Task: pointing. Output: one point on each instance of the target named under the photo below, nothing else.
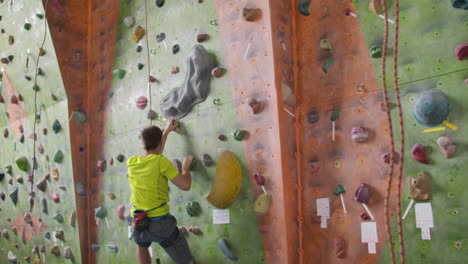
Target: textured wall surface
(429, 32)
(14, 82)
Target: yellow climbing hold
(450, 125)
(228, 181)
(138, 34)
(433, 129)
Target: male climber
(148, 176)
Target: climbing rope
(36, 89)
(402, 131)
(392, 142)
(300, 219)
(392, 139)
(148, 61)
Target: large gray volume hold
(180, 101)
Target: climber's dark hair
(151, 137)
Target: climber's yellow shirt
(148, 178)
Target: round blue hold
(431, 108)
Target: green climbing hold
(40, 16)
(194, 163)
(193, 208)
(58, 218)
(14, 195)
(101, 212)
(335, 115)
(81, 117)
(113, 248)
(22, 163)
(376, 51)
(328, 64)
(56, 127)
(303, 6)
(27, 26)
(58, 157)
(42, 52)
(239, 134)
(36, 88)
(119, 73)
(339, 190)
(40, 72)
(120, 157)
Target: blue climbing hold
(462, 4)
(431, 108)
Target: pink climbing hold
(418, 152)
(40, 148)
(461, 51)
(55, 196)
(217, 72)
(121, 212)
(194, 229)
(259, 179)
(142, 102)
(182, 229)
(466, 82)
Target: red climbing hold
(222, 137)
(194, 229)
(255, 105)
(461, 51)
(202, 37)
(418, 152)
(101, 164)
(121, 212)
(142, 102)
(14, 99)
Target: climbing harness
(141, 221)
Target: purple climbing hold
(259, 179)
(95, 247)
(55, 196)
(2, 196)
(362, 193)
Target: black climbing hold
(40, 72)
(56, 126)
(120, 157)
(47, 235)
(160, 37)
(159, 3)
(21, 139)
(462, 4)
(14, 195)
(175, 48)
(140, 66)
(139, 49)
(303, 7)
(11, 57)
(2, 196)
(2, 176)
(27, 77)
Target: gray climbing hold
(44, 207)
(14, 195)
(160, 37)
(12, 258)
(58, 218)
(129, 21)
(81, 117)
(113, 248)
(180, 101)
(431, 108)
(95, 247)
(80, 189)
(67, 253)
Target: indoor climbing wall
(50, 231)
(429, 33)
(184, 46)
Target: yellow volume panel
(228, 181)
